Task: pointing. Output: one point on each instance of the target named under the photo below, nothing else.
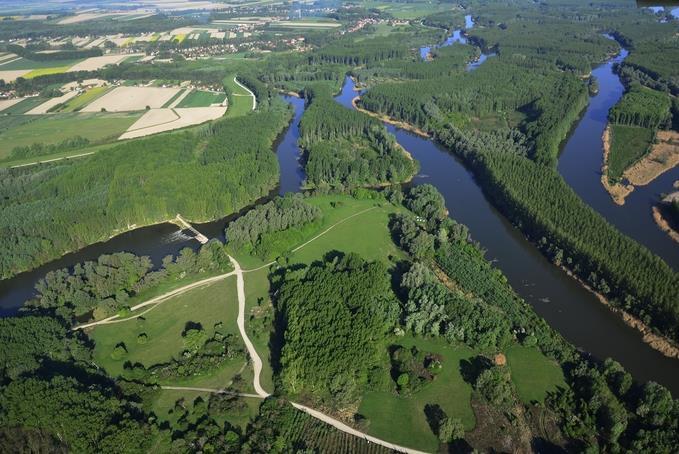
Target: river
(457, 36)
(580, 165)
(569, 308)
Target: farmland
(52, 129)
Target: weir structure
(202, 239)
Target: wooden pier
(202, 239)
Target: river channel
(569, 308)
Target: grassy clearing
(240, 101)
(200, 98)
(164, 326)
(257, 301)
(75, 154)
(367, 234)
(402, 420)
(80, 101)
(50, 129)
(628, 145)
(533, 373)
(408, 10)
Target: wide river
(569, 308)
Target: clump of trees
(103, 287)
(280, 214)
(335, 319)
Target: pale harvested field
(11, 76)
(7, 56)
(187, 117)
(154, 117)
(94, 63)
(663, 156)
(84, 17)
(47, 105)
(124, 99)
(5, 103)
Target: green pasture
(51, 129)
(164, 324)
(240, 101)
(401, 419)
(533, 374)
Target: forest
(345, 148)
(46, 212)
(642, 107)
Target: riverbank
(617, 191)
(390, 120)
(659, 343)
(664, 225)
(662, 157)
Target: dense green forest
(642, 107)
(333, 368)
(347, 148)
(206, 174)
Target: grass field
(198, 98)
(628, 145)
(49, 129)
(402, 420)
(410, 10)
(80, 101)
(240, 101)
(533, 373)
(164, 326)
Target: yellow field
(45, 72)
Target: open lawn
(533, 373)
(164, 325)
(200, 98)
(628, 145)
(402, 420)
(240, 101)
(50, 129)
(77, 103)
(366, 234)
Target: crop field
(200, 98)
(26, 64)
(94, 63)
(628, 145)
(408, 10)
(50, 129)
(77, 103)
(533, 374)
(164, 325)
(24, 106)
(122, 99)
(46, 71)
(401, 419)
(161, 120)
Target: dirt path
(254, 356)
(157, 300)
(210, 390)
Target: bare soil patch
(47, 105)
(664, 156)
(617, 191)
(160, 120)
(94, 63)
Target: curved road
(254, 98)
